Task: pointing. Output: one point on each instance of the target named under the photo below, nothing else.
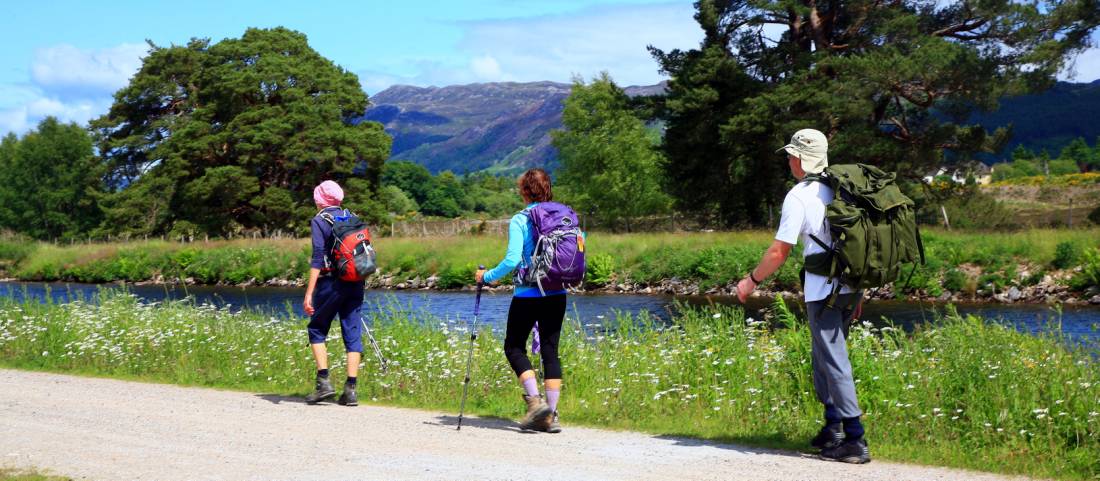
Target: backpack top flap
(548, 216)
(345, 224)
(869, 185)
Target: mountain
(499, 127)
(1048, 120)
(505, 127)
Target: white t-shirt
(804, 214)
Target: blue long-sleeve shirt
(323, 240)
(521, 245)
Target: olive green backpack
(873, 226)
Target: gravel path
(115, 430)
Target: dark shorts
(333, 298)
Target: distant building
(982, 173)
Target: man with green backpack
(856, 241)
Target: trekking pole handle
(477, 300)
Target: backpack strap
(325, 216)
(815, 178)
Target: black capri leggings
(549, 311)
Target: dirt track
(115, 430)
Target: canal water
(1077, 323)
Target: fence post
(946, 222)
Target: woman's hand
(479, 276)
(307, 304)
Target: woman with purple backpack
(535, 235)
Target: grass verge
(961, 393)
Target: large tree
(609, 160)
(891, 83)
(49, 181)
(233, 135)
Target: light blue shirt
(521, 245)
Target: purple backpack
(558, 260)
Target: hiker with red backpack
(342, 259)
(546, 250)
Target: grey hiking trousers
(833, 381)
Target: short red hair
(534, 186)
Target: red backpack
(352, 258)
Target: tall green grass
(961, 392)
(995, 260)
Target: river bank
(1037, 266)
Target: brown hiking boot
(538, 412)
(552, 425)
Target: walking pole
(374, 345)
(470, 354)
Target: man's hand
(307, 304)
(858, 310)
(479, 276)
(745, 289)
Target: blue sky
(66, 57)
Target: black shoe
(349, 397)
(322, 392)
(854, 452)
(830, 436)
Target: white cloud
(72, 84)
(70, 72)
(560, 46)
(24, 117)
(12, 95)
(373, 81)
(554, 47)
(1085, 68)
(486, 67)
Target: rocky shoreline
(1051, 290)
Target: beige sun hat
(812, 148)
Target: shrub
(1035, 277)
(13, 250)
(967, 208)
(1089, 276)
(1065, 255)
(954, 280)
(600, 270)
(454, 277)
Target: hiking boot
(553, 426)
(854, 452)
(349, 397)
(537, 413)
(549, 425)
(830, 436)
(322, 392)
